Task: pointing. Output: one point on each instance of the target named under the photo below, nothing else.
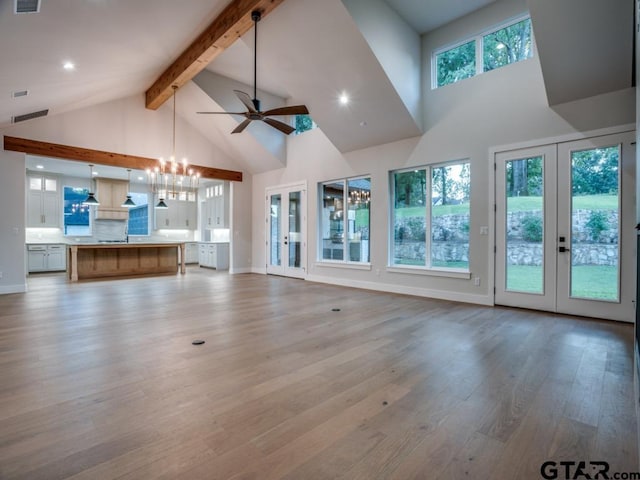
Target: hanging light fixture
(128, 202)
(91, 199)
(172, 178)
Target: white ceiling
(427, 15)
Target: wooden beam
(231, 24)
(98, 157)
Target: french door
(286, 231)
(564, 227)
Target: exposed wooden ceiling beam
(231, 24)
(98, 157)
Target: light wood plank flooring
(99, 380)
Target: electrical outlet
(476, 281)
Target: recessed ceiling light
(68, 66)
(94, 173)
(344, 98)
(140, 178)
(40, 166)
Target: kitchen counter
(98, 260)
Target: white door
(286, 231)
(564, 227)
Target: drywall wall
(12, 222)
(463, 121)
(396, 46)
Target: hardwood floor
(99, 380)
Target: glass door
(286, 230)
(564, 221)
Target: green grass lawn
(517, 204)
(589, 281)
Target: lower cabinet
(214, 255)
(191, 253)
(46, 258)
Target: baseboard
(5, 289)
(418, 292)
(234, 271)
(260, 270)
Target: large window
(431, 216)
(139, 215)
(497, 48)
(76, 215)
(303, 124)
(345, 215)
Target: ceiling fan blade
(242, 126)
(277, 124)
(292, 110)
(222, 113)
(246, 100)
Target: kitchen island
(99, 260)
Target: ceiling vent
(29, 116)
(20, 93)
(27, 6)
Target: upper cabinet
(216, 206)
(181, 214)
(43, 201)
(111, 193)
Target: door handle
(563, 249)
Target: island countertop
(96, 260)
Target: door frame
(285, 189)
(493, 151)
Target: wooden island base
(124, 260)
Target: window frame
(64, 226)
(479, 50)
(345, 262)
(426, 269)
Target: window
(345, 215)
(431, 199)
(139, 215)
(497, 48)
(507, 45)
(304, 123)
(76, 215)
(456, 64)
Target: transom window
(430, 217)
(344, 220)
(499, 47)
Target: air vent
(20, 93)
(27, 6)
(29, 116)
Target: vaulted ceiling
(309, 52)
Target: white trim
(259, 270)
(433, 272)
(13, 289)
(234, 271)
(348, 265)
(404, 290)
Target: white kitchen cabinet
(46, 258)
(215, 208)
(43, 201)
(191, 254)
(182, 214)
(214, 255)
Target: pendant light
(128, 202)
(91, 199)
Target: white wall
(396, 46)
(12, 221)
(462, 120)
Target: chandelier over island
(173, 179)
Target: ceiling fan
(253, 104)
